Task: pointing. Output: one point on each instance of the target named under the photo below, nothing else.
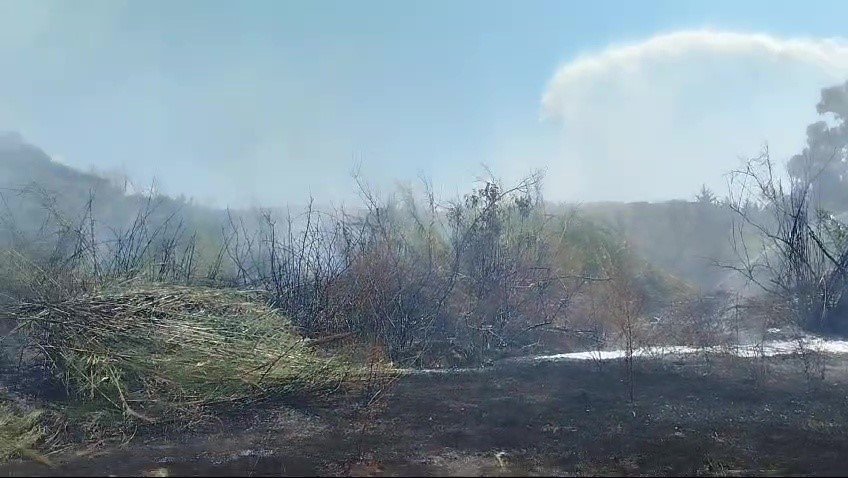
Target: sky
(240, 103)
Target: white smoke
(655, 119)
(828, 55)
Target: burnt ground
(721, 416)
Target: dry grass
(19, 432)
(167, 352)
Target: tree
(706, 196)
(823, 164)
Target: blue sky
(268, 102)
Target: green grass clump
(164, 352)
(19, 432)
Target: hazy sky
(246, 102)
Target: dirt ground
(723, 416)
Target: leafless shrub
(623, 308)
(799, 251)
(463, 279)
(437, 282)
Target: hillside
(33, 186)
